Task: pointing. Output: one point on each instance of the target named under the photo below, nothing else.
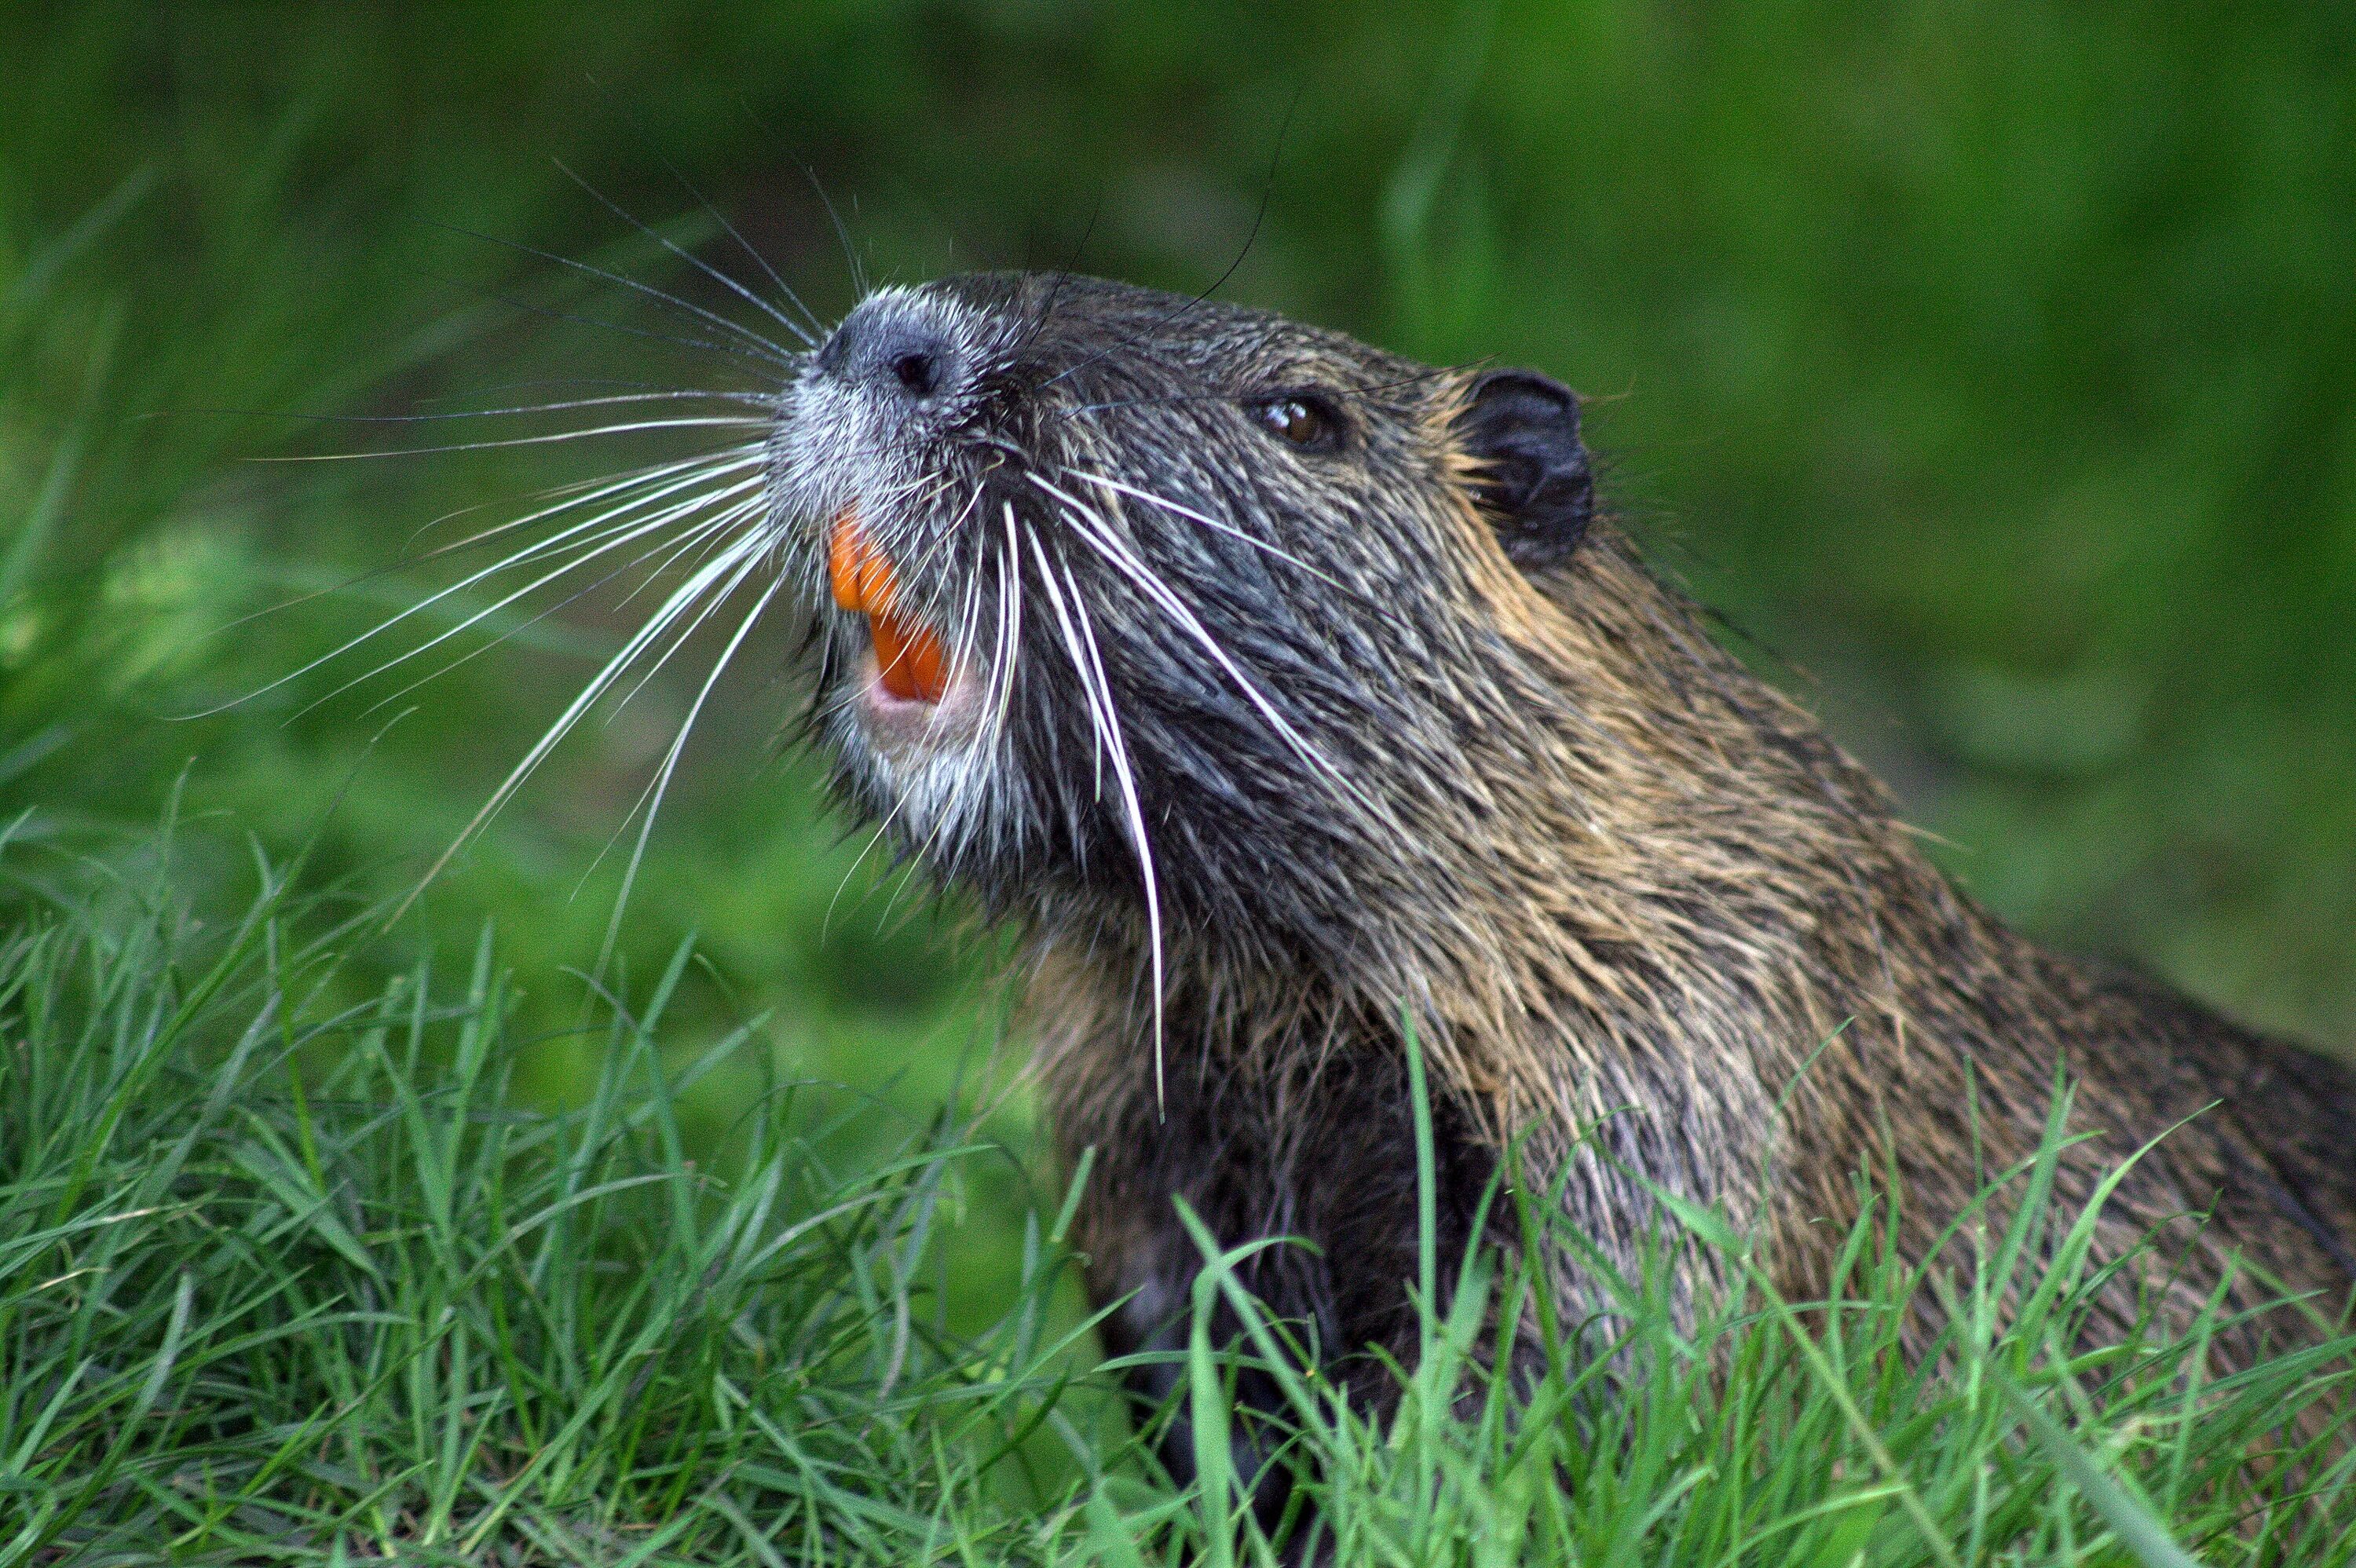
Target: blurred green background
(1992, 364)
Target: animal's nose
(893, 354)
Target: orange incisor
(913, 666)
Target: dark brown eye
(1301, 421)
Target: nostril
(919, 372)
(895, 350)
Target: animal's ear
(1521, 428)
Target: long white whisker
(688, 541)
(680, 600)
(593, 547)
(664, 479)
(759, 260)
(995, 704)
(788, 322)
(1208, 521)
(761, 347)
(942, 535)
(826, 924)
(661, 785)
(952, 813)
(899, 805)
(1107, 723)
(1096, 663)
(1010, 635)
(770, 363)
(995, 700)
(563, 497)
(1100, 537)
(702, 530)
(881, 829)
(717, 422)
(588, 550)
(760, 400)
(679, 641)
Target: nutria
(1286, 693)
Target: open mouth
(910, 662)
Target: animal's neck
(1673, 890)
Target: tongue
(913, 667)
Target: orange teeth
(860, 575)
(914, 667)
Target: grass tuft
(283, 1276)
(289, 1276)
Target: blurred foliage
(1991, 363)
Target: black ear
(1522, 429)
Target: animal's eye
(1305, 423)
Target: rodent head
(1157, 613)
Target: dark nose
(893, 355)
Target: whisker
(785, 288)
(455, 546)
(858, 274)
(788, 322)
(758, 399)
(699, 537)
(1359, 393)
(840, 702)
(574, 597)
(959, 813)
(1010, 639)
(580, 493)
(621, 535)
(944, 535)
(749, 549)
(761, 346)
(357, 579)
(634, 383)
(548, 439)
(1108, 723)
(995, 698)
(661, 785)
(1208, 521)
(664, 479)
(825, 923)
(1099, 537)
(575, 319)
(841, 233)
(967, 621)
(609, 529)
(680, 640)
(1267, 192)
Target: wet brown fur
(1646, 917)
(1673, 1036)
(1940, 1030)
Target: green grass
(280, 1270)
(1991, 361)
(287, 1276)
